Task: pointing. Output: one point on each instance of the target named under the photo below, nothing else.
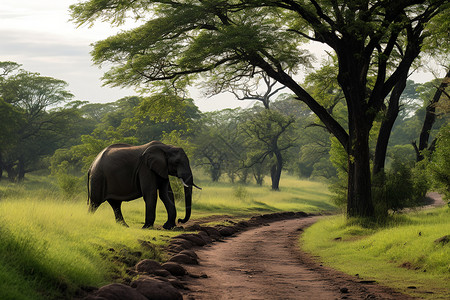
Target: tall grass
(402, 253)
(245, 200)
(50, 246)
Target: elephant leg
(166, 196)
(116, 206)
(150, 208)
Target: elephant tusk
(197, 186)
(185, 185)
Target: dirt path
(265, 263)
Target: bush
(398, 188)
(240, 192)
(69, 184)
(440, 162)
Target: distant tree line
(42, 127)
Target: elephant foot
(146, 226)
(168, 225)
(123, 223)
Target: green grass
(50, 246)
(238, 200)
(401, 254)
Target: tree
(218, 145)
(11, 122)
(440, 160)
(268, 131)
(39, 126)
(182, 39)
(441, 91)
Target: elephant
(123, 172)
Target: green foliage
(69, 184)
(400, 253)
(33, 126)
(232, 41)
(169, 109)
(338, 157)
(440, 162)
(52, 247)
(398, 188)
(240, 192)
(219, 146)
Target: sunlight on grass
(50, 245)
(402, 253)
(294, 195)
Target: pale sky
(38, 35)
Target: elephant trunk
(188, 201)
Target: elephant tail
(88, 187)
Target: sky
(39, 36)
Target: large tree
(33, 125)
(181, 39)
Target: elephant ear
(156, 160)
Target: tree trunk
(11, 171)
(386, 126)
(275, 172)
(258, 174)
(215, 172)
(359, 193)
(430, 117)
(21, 171)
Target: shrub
(240, 192)
(399, 187)
(440, 162)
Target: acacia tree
(36, 127)
(268, 131)
(181, 39)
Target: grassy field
(50, 246)
(402, 253)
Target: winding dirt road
(265, 263)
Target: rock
(190, 253)
(184, 259)
(117, 291)
(301, 214)
(156, 289)
(162, 273)
(243, 224)
(212, 232)
(195, 227)
(174, 268)
(227, 231)
(205, 237)
(193, 238)
(177, 284)
(148, 266)
(343, 290)
(173, 281)
(181, 243)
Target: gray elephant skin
(123, 172)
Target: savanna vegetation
(356, 124)
(408, 252)
(51, 247)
